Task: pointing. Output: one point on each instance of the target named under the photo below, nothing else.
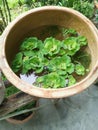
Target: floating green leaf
(70, 68)
(36, 63)
(53, 61)
(59, 63)
(82, 40)
(69, 32)
(51, 46)
(71, 80)
(30, 44)
(71, 45)
(26, 65)
(80, 69)
(29, 53)
(82, 57)
(62, 72)
(17, 62)
(52, 80)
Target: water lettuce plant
(51, 46)
(53, 61)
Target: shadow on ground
(79, 112)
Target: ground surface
(79, 112)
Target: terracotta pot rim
(42, 92)
(15, 121)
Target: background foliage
(84, 6)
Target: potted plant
(22, 118)
(55, 63)
(32, 24)
(11, 91)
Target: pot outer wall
(24, 25)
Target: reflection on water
(31, 78)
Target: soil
(22, 116)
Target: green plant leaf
(39, 70)
(69, 32)
(71, 80)
(80, 69)
(29, 53)
(71, 45)
(36, 63)
(33, 61)
(85, 7)
(52, 80)
(59, 63)
(17, 62)
(82, 57)
(82, 40)
(70, 68)
(62, 52)
(26, 65)
(29, 44)
(62, 72)
(10, 90)
(51, 46)
(46, 62)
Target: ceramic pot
(25, 25)
(25, 119)
(16, 121)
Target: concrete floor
(79, 112)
